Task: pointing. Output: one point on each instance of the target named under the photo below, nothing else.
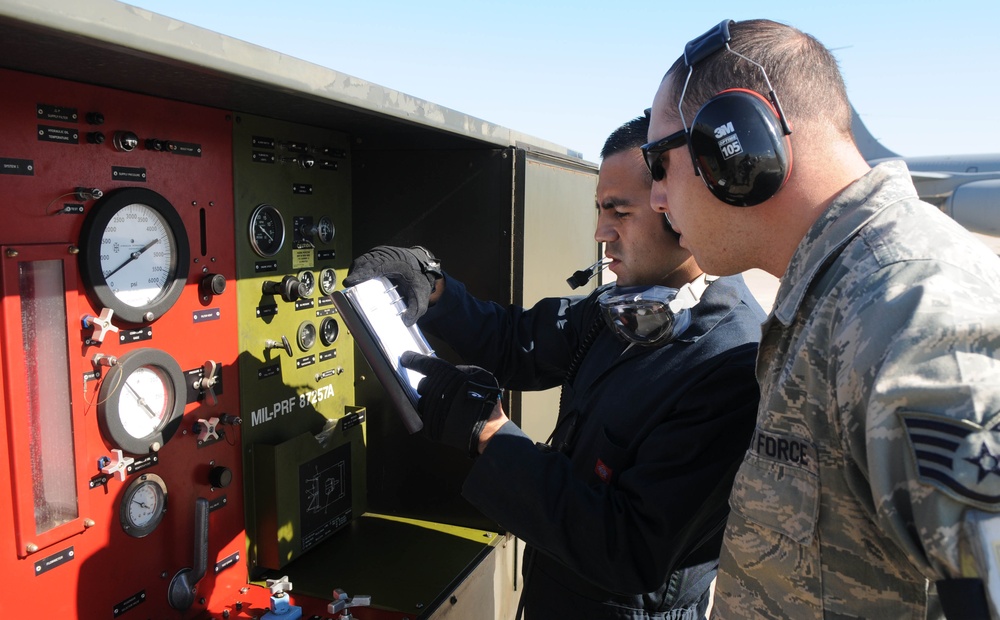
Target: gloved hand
(413, 271)
(455, 401)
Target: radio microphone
(581, 277)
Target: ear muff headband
(739, 147)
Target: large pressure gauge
(143, 505)
(135, 254)
(267, 230)
(140, 404)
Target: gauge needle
(133, 256)
(140, 400)
(270, 237)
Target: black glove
(455, 401)
(413, 271)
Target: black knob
(212, 284)
(95, 118)
(220, 477)
(289, 288)
(95, 137)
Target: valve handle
(181, 592)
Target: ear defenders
(739, 148)
(739, 139)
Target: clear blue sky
(923, 75)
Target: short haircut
(631, 135)
(628, 137)
(803, 72)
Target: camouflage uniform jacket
(880, 396)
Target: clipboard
(371, 310)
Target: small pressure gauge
(325, 229)
(308, 283)
(141, 401)
(143, 505)
(135, 254)
(327, 280)
(306, 336)
(329, 329)
(267, 230)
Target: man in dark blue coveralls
(622, 510)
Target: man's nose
(658, 197)
(605, 231)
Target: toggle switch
(284, 345)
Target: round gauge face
(327, 280)
(329, 329)
(135, 254)
(138, 250)
(308, 281)
(144, 401)
(143, 505)
(139, 409)
(306, 336)
(325, 229)
(267, 230)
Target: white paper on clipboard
(372, 311)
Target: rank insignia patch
(959, 457)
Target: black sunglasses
(654, 151)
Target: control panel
(179, 395)
(120, 395)
(303, 435)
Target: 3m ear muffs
(739, 138)
(740, 148)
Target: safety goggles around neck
(652, 315)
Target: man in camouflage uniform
(872, 479)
